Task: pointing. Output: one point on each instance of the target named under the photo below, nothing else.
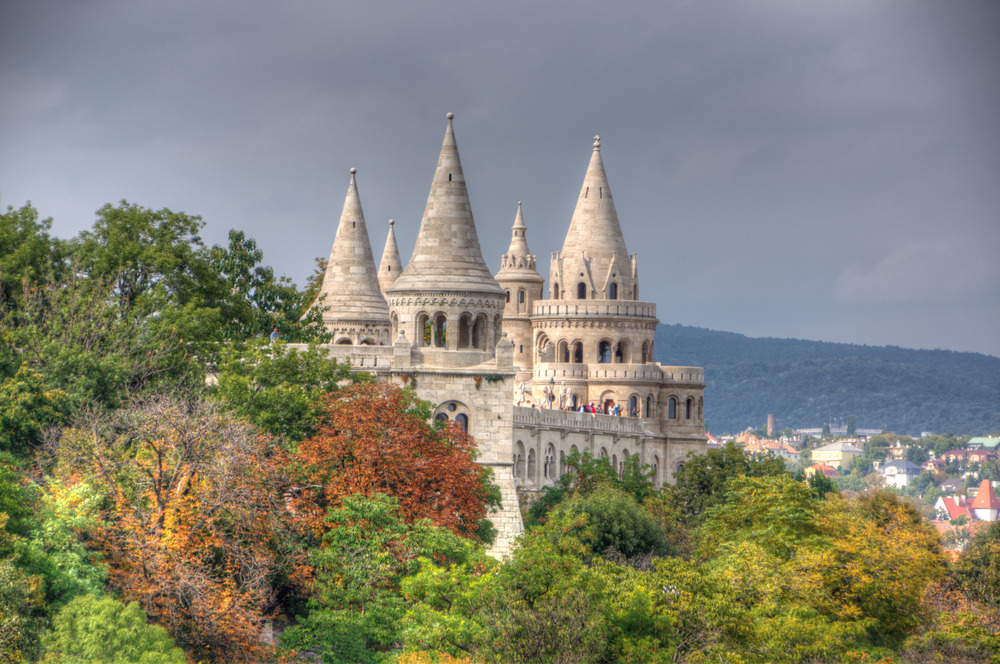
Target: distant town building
(968, 456)
(986, 505)
(822, 468)
(949, 508)
(984, 443)
(899, 473)
(838, 455)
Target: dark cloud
(824, 169)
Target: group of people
(606, 409)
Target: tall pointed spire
(594, 262)
(350, 285)
(447, 256)
(595, 229)
(390, 267)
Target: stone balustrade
(360, 357)
(561, 371)
(624, 308)
(572, 420)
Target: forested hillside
(805, 383)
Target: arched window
(621, 352)
(633, 406)
(555, 291)
(578, 352)
(649, 406)
(441, 417)
(613, 291)
(465, 331)
(604, 352)
(507, 295)
(581, 291)
(672, 408)
(532, 465)
(562, 354)
(701, 404)
(463, 421)
(441, 331)
(520, 296)
(423, 330)
(689, 408)
(645, 352)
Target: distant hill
(804, 383)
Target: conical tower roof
(391, 265)
(447, 256)
(594, 230)
(518, 263)
(351, 282)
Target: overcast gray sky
(826, 169)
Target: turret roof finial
(597, 142)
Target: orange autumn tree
(195, 525)
(376, 438)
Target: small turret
(390, 267)
(522, 285)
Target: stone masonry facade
(512, 362)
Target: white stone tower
(446, 311)
(354, 310)
(522, 285)
(592, 320)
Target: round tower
(522, 285)
(353, 307)
(592, 337)
(446, 299)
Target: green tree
(68, 334)
(22, 611)
(544, 605)
(978, 568)
(278, 388)
(27, 252)
(356, 604)
(701, 482)
(149, 254)
(615, 522)
(584, 475)
(851, 427)
(261, 301)
(27, 408)
(775, 511)
(101, 630)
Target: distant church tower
(522, 285)
(354, 310)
